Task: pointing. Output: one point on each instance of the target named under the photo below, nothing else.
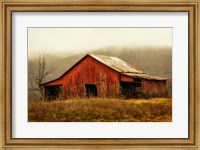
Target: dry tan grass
(102, 110)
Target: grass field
(101, 110)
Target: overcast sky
(70, 40)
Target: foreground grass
(102, 110)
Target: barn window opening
(137, 80)
(91, 90)
(53, 92)
(131, 89)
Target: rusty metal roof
(112, 62)
(115, 63)
(144, 76)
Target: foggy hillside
(153, 61)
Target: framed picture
(104, 75)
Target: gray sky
(75, 40)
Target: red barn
(103, 76)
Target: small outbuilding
(103, 76)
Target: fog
(68, 41)
(147, 49)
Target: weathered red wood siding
(125, 78)
(154, 87)
(89, 71)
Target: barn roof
(144, 76)
(115, 63)
(110, 61)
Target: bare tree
(42, 72)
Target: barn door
(91, 90)
(53, 92)
(131, 89)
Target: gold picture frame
(9, 6)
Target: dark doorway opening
(91, 90)
(53, 92)
(131, 89)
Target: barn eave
(144, 76)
